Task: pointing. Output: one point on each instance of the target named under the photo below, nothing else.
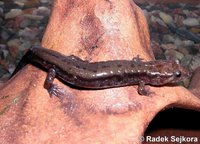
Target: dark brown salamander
(105, 74)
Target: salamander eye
(178, 74)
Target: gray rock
(168, 38)
(191, 22)
(14, 43)
(13, 13)
(4, 35)
(173, 55)
(168, 46)
(195, 62)
(166, 18)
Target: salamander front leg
(141, 88)
(48, 84)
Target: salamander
(103, 74)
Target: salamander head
(167, 72)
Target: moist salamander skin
(104, 74)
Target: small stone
(168, 46)
(157, 50)
(21, 4)
(3, 55)
(33, 17)
(1, 3)
(31, 3)
(178, 20)
(2, 46)
(188, 43)
(191, 22)
(178, 42)
(187, 60)
(173, 55)
(42, 11)
(158, 20)
(25, 23)
(2, 72)
(195, 30)
(186, 12)
(13, 13)
(184, 50)
(25, 45)
(167, 38)
(1, 12)
(29, 33)
(197, 46)
(4, 35)
(44, 1)
(14, 43)
(13, 46)
(166, 18)
(195, 62)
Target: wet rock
(195, 62)
(25, 23)
(173, 55)
(19, 3)
(1, 3)
(158, 25)
(31, 3)
(44, 1)
(33, 17)
(26, 44)
(168, 46)
(186, 60)
(42, 11)
(1, 12)
(168, 38)
(178, 20)
(29, 33)
(14, 43)
(13, 13)
(188, 43)
(184, 50)
(195, 30)
(157, 50)
(4, 35)
(191, 22)
(13, 46)
(166, 18)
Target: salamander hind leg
(142, 90)
(52, 88)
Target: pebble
(44, 1)
(168, 38)
(21, 4)
(13, 13)
(1, 3)
(173, 55)
(168, 46)
(29, 33)
(178, 20)
(195, 62)
(166, 18)
(4, 35)
(42, 11)
(191, 22)
(33, 17)
(14, 43)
